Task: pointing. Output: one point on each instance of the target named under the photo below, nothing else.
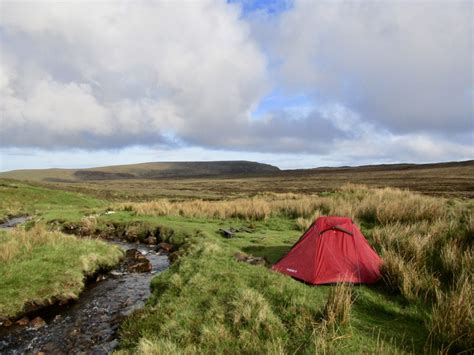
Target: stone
(227, 233)
(7, 323)
(151, 240)
(134, 254)
(165, 247)
(140, 266)
(37, 323)
(253, 260)
(137, 262)
(175, 256)
(23, 321)
(257, 261)
(240, 257)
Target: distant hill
(145, 171)
(217, 179)
(217, 169)
(386, 167)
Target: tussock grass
(338, 306)
(250, 209)
(383, 206)
(425, 242)
(38, 267)
(453, 315)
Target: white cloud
(136, 67)
(403, 64)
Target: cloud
(105, 69)
(381, 81)
(405, 65)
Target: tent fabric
(332, 250)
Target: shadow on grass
(393, 321)
(271, 253)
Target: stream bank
(90, 324)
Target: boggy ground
(210, 302)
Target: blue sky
(269, 7)
(291, 83)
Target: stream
(90, 324)
(13, 222)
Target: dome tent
(332, 250)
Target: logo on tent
(292, 270)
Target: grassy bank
(38, 267)
(18, 198)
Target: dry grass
(338, 306)
(383, 206)
(19, 242)
(412, 281)
(431, 260)
(250, 209)
(453, 315)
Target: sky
(296, 84)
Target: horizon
(249, 161)
(294, 84)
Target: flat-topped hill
(145, 171)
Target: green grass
(207, 302)
(19, 199)
(38, 267)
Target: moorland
(418, 218)
(212, 180)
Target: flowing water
(12, 222)
(90, 324)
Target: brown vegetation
(449, 179)
(382, 206)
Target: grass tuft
(453, 316)
(338, 306)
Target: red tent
(332, 250)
